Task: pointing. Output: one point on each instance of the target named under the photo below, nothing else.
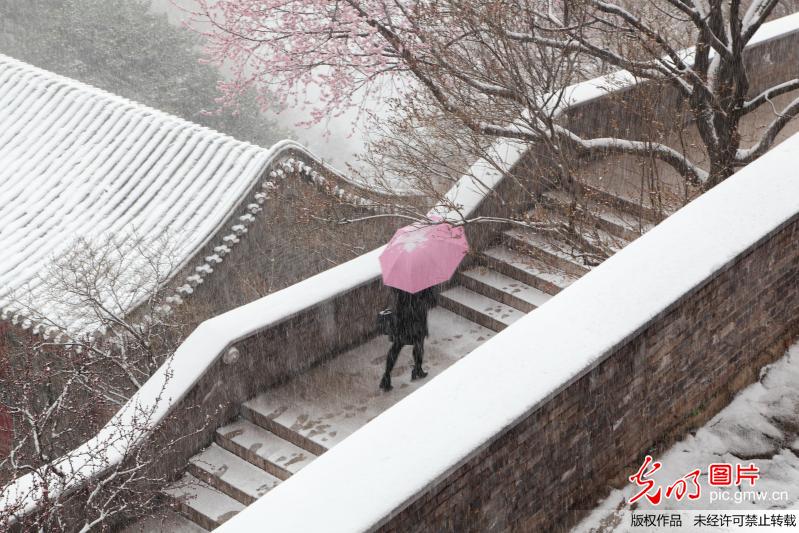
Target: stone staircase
(282, 430)
(526, 267)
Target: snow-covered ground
(760, 426)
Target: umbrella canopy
(420, 255)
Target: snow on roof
(77, 162)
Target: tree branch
(747, 155)
(610, 145)
(768, 94)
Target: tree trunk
(721, 168)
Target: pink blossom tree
(497, 67)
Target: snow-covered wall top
(421, 439)
(77, 162)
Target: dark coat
(411, 315)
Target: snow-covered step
(623, 204)
(624, 225)
(500, 287)
(231, 474)
(202, 503)
(597, 243)
(263, 448)
(329, 402)
(601, 239)
(166, 521)
(480, 309)
(259, 411)
(551, 250)
(528, 269)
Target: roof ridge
(83, 86)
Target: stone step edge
(192, 513)
(495, 293)
(519, 274)
(470, 313)
(596, 219)
(252, 458)
(518, 242)
(220, 484)
(253, 415)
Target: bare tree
(711, 75)
(65, 500)
(63, 385)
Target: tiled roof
(78, 162)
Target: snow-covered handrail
(206, 344)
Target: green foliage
(120, 46)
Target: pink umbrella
(420, 255)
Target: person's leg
(391, 360)
(418, 355)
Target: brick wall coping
(377, 471)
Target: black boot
(391, 359)
(418, 373)
(418, 355)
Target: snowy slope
(758, 426)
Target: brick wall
(684, 366)
(6, 431)
(6, 422)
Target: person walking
(418, 257)
(410, 328)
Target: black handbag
(386, 322)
